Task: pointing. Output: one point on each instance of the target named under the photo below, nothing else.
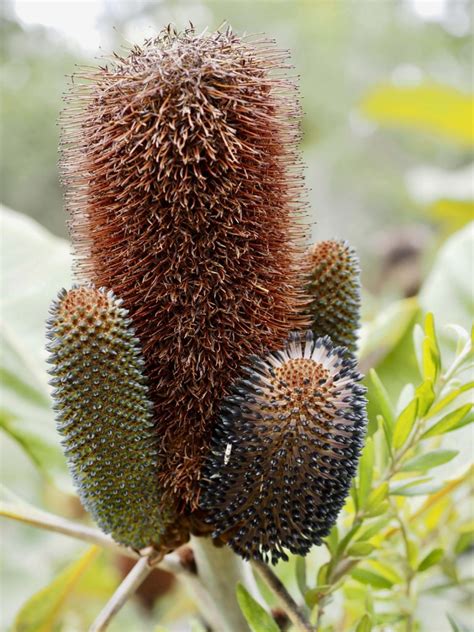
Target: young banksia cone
(104, 415)
(183, 183)
(285, 450)
(334, 290)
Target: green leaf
(456, 626)
(419, 487)
(313, 595)
(424, 462)
(375, 528)
(381, 398)
(372, 579)
(256, 616)
(300, 573)
(366, 470)
(430, 361)
(42, 611)
(365, 624)
(447, 292)
(426, 396)
(430, 560)
(360, 549)
(39, 442)
(428, 107)
(404, 424)
(449, 422)
(376, 498)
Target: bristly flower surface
(184, 188)
(105, 417)
(334, 290)
(285, 450)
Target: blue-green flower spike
(334, 291)
(104, 415)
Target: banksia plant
(334, 290)
(285, 449)
(105, 416)
(184, 188)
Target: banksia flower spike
(285, 449)
(105, 417)
(184, 187)
(334, 290)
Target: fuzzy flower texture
(203, 365)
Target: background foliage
(388, 138)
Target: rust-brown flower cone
(184, 184)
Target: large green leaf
(257, 617)
(447, 292)
(41, 611)
(427, 107)
(34, 265)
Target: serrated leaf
(431, 559)
(41, 612)
(424, 462)
(449, 422)
(372, 579)
(255, 615)
(404, 424)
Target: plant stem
(291, 608)
(219, 571)
(127, 588)
(50, 522)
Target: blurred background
(387, 128)
(388, 135)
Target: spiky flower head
(184, 185)
(334, 290)
(105, 417)
(285, 450)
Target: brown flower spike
(184, 187)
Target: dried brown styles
(285, 450)
(184, 189)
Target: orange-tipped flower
(285, 450)
(184, 184)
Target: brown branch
(295, 614)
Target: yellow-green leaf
(426, 397)
(256, 616)
(449, 422)
(430, 560)
(40, 613)
(426, 461)
(381, 397)
(404, 424)
(430, 107)
(365, 624)
(372, 579)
